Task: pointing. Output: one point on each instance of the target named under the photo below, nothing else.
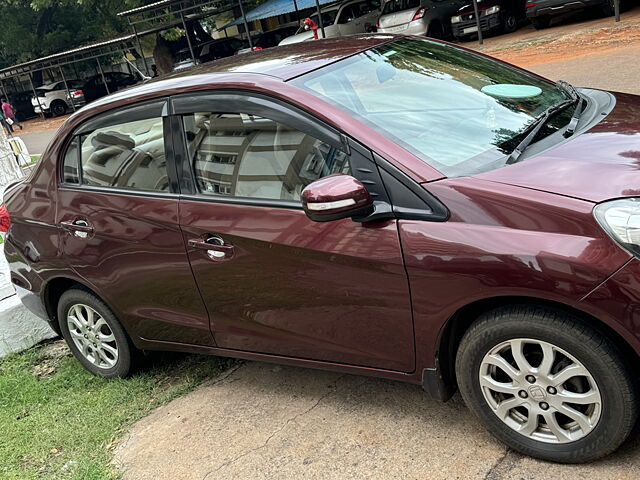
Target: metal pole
(35, 94)
(4, 91)
(135, 33)
(320, 18)
(475, 11)
(246, 25)
(186, 32)
(66, 87)
(616, 9)
(295, 5)
(104, 80)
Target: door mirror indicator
(334, 197)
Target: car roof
(289, 61)
(278, 63)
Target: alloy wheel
(540, 391)
(93, 336)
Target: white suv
(52, 97)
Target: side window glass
(129, 155)
(346, 15)
(71, 160)
(240, 155)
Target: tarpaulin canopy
(272, 8)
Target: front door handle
(214, 245)
(79, 227)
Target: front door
(274, 281)
(118, 218)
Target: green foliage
(57, 421)
(43, 27)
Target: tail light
(418, 15)
(378, 26)
(531, 5)
(257, 49)
(77, 93)
(5, 220)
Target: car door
(345, 20)
(118, 222)
(273, 281)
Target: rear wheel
(94, 335)
(58, 108)
(541, 22)
(435, 30)
(546, 385)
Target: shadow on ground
(262, 421)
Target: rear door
(274, 281)
(118, 218)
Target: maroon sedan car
(379, 205)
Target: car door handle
(215, 247)
(80, 228)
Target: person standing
(7, 127)
(9, 113)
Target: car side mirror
(335, 197)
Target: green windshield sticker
(510, 90)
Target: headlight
(492, 10)
(456, 19)
(621, 220)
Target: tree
(44, 27)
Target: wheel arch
(54, 289)
(457, 325)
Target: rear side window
(128, 155)
(246, 156)
(71, 159)
(393, 6)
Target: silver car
(418, 17)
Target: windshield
(458, 111)
(393, 6)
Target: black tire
(435, 30)
(590, 347)
(510, 23)
(541, 22)
(125, 349)
(58, 108)
(608, 8)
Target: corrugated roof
(273, 8)
(151, 6)
(67, 53)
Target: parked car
(496, 16)
(21, 101)
(540, 12)
(269, 39)
(347, 18)
(314, 207)
(52, 98)
(221, 48)
(418, 17)
(95, 87)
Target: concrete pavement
(36, 142)
(260, 421)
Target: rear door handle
(80, 228)
(214, 245)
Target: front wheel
(541, 22)
(510, 23)
(546, 385)
(58, 108)
(94, 335)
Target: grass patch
(57, 421)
